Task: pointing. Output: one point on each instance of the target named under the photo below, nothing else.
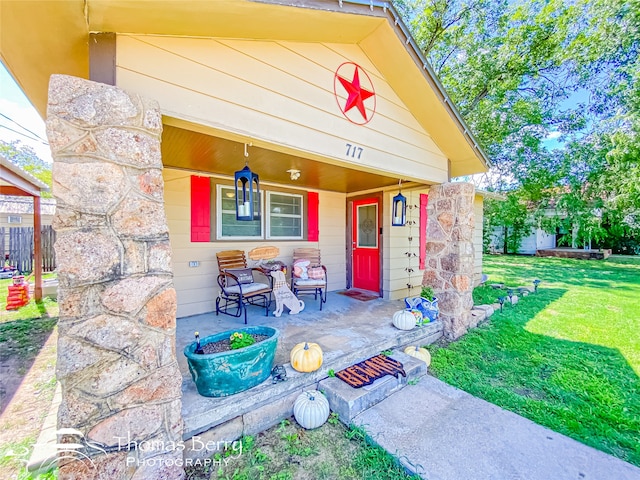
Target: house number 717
(354, 151)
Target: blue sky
(22, 117)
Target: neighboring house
(18, 211)
(538, 239)
(331, 103)
(17, 183)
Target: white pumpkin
(311, 409)
(404, 320)
(419, 352)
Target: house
(239, 83)
(538, 239)
(17, 183)
(330, 103)
(18, 211)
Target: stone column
(450, 254)
(121, 386)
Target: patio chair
(238, 287)
(308, 275)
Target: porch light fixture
(294, 173)
(246, 181)
(399, 208)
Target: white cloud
(21, 115)
(20, 119)
(553, 135)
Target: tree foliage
(521, 72)
(26, 158)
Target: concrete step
(202, 413)
(348, 402)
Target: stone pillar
(450, 254)
(121, 386)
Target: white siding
(545, 240)
(281, 93)
(396, 262)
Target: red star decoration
(357, 94)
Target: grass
(567, 357)
(287, 451)
(23, 334)
(44, 309)
(13, 458)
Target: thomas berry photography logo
(78, 448)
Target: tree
(26, 158)
(511, 216)
(520, 70)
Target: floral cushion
(315, 273)
(300, 268)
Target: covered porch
(347, 329)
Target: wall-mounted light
(246, 181)
(295, 174)
(399, 208)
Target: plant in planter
(426, 303)
(233, 361)
(240, 340)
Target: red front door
(366, 246)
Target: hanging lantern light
(246, 181)
(399, 208)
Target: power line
(24, 134)
(24, 128)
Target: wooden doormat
(358, 295)
(365, 373)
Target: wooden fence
(19, 247)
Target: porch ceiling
(187, 149)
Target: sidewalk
(443, 433)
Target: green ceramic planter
(225, 373)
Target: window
(284, 219)
(14, 219)
(228, 226)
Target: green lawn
(23, 334)
(32, 310)
(567, 357)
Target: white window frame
(358, 226)
(268, 214)
(219, 212)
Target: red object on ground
(18, 296)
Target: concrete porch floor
(348, 330)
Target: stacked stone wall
(121, 385)
(450, 255)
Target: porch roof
(62, 27)
(15, 181)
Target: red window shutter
(313, 216)
(424, 198)
(200, 209)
